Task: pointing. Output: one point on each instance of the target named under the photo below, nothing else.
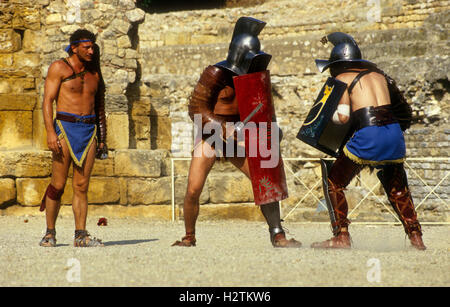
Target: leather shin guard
(52, 193)
(399, 195)
(341, 173)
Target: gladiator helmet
(244, 53)
(345, 50)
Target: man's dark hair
(81, 34)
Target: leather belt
(73, 119)
(373, 116)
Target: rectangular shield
(262, 148)
(318, 130)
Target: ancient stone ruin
(152, 60)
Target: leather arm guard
(204, 96)
(102, 153)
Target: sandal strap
(49, 238)
(188, 240)
(50, 232)
(82, 235)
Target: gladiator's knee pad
(52, 193)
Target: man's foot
(83, 239)
(279, 240)
(416, 240)
(341, 241)
(49, 240)
(187, 241)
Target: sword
(249, 117)
(241, 125)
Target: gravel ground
(229, 253)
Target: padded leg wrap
(52, 193)
(341, 173)
(340, 207)
(396, 186)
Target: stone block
(27, 18)
(141, 107)
(16, 131)
(116, 103)
(16, 85)
(17, 102)
(6, 60)
(180, 191)
(31, 190)
(10, 41)
(52, 19)
(120, 26)
(104, 190)
(149, 191)
(101, 190)
(32, 41)
(8, 191)
(39, 132)
(123, 183)
(137, 163)
(230, 188)
(176, 38)
(123, 42)
(161, 136)
(104, 167)
(29, 163)
(127, 4)
(141, 127)
(118, 131)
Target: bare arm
(51, 90)
(342, 114)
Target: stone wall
(151, 62)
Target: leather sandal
(279, 241)
(416, 240)
(340, 241)
(49, 239)
(83, 239)
(187, 241)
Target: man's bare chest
(85, 84)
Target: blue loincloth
(377, 145)
(78, 136)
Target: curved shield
(262, 147)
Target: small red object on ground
(102, 222)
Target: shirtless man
(76, 84)
(377, 140)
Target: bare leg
(60, 169)
(80, 185)
(202, 161)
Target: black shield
(318, 130)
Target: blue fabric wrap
(378, 144)
(76, 42)
(78, 136)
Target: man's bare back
(370, 90)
